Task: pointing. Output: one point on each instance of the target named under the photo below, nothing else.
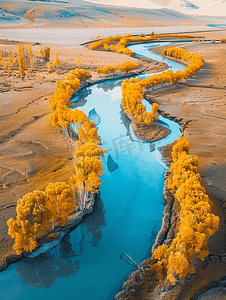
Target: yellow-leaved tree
(30, 55)
(40, 53)
(155, 108)
(87, 167)
(56, 61)
(10, 59)
(36, 211)
(197, 221)
(60, 202)
(47, 53)
(79, 62)
(33, 217)
(21, 60)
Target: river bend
(127, 216)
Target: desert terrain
(33, 153)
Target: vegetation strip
(124, 40)
(25, 54)
(197, 221)
(36, 211)
(124, 68)
(133, 89)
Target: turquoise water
(86, 264)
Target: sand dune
(184, 6)
(8, 18)
(131, 3)
(106, 12)
(196, 7)
(35, 12)
(213, 9)
(86, 14)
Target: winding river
(127, 216)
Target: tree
(10, 59)
(36, 210)
(47, 53)
(132, 95)
(40, 53)
(60, 202)
(48, 65)
(79, 62)
(87, 169)
(196, 62)
(61, 115)
(30, 55)
(33, 217)
(197, 221)
(127, 66)
(21, 60)
(155, 108)
(56, 61)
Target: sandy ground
(33, 153)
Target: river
(127, 216)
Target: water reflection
(43, 270)
(64, 259)
(125, 120)
(160, 122)
(66, 251)
(109, 85)
(154, 232)
(79, 99)
(94, 222)
(94, 117)
(111, 164)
